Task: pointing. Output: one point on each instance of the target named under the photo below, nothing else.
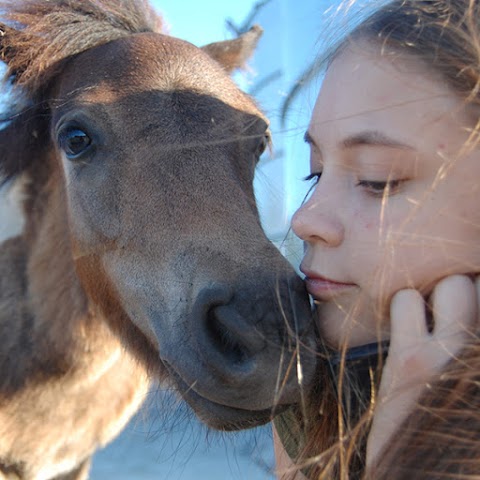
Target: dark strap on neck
(361, 353)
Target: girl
(391, 234)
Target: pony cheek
(92, 222)
(98, 277)
(134, 291)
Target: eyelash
(313, 176)
(373, 187)
(380, 188)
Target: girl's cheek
(366, 222)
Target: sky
(201, 22)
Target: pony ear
(233, 54)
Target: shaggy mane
(36, 35)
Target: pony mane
(37, 35)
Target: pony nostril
(231, 335)
(223, 340)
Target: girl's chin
(338, 332)
(351, 321)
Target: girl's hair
(443, 34)
(441, 438)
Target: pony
(142, 258)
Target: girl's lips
(322, 288)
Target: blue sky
(201, 22)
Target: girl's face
(396, 200)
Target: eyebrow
(372, 138)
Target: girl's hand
(416, 355)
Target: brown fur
(142, 257)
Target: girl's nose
(315, 222)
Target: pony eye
(74, 142)
(262, 146)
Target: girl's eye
(380, 188)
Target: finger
(454, 304)
(408, 320)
